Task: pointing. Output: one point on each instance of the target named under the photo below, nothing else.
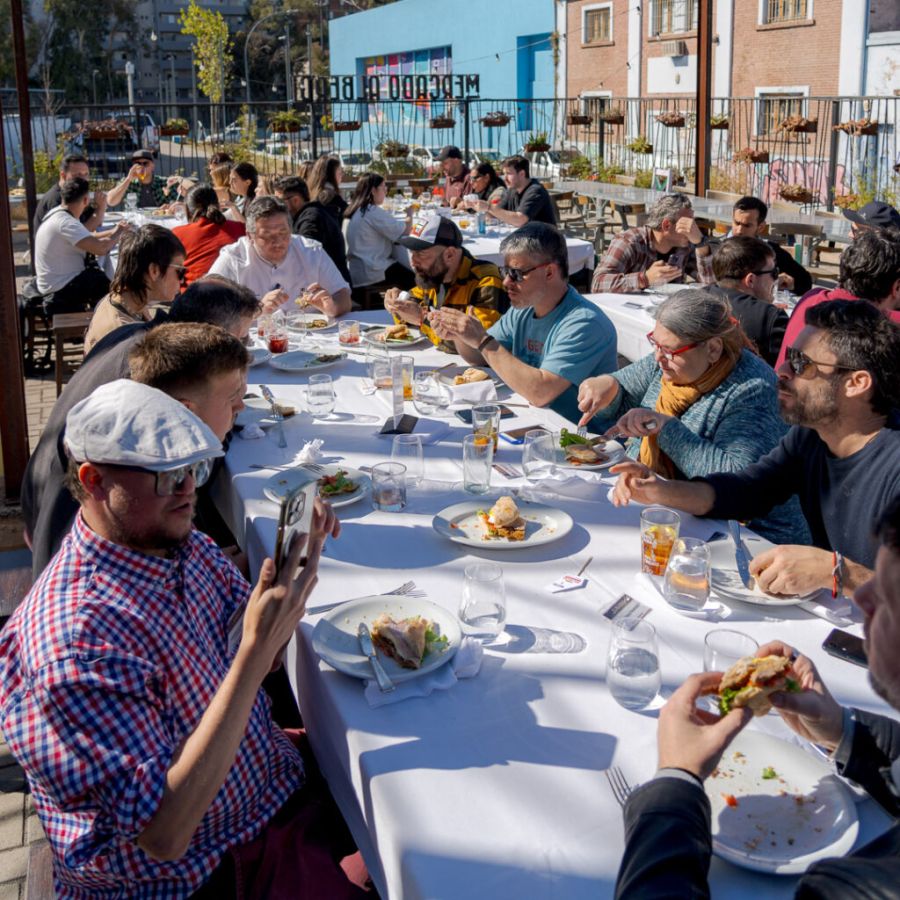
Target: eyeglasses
(518, 275)
(804, 367)
(171, 481)
(774, 272)
(181, 270)
(665, 352)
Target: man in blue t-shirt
(551, 339)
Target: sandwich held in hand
(751, 681)
(503, 520)
(470, 376)
(407, 641)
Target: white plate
(460, 524)
(304, 360)
(296, 322)
(726, 582)
(613, 449)
(282, 482)
(447, 375)
(335, 639)
(370, 337)
(258, 412)
(771, 831)
(258, 355)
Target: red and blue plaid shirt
(105, 669)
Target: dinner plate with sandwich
(588, 453)
(504, 525)
(412, 636)
(395, 336)
(775, 807)
(456, 376)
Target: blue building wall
(505, 42)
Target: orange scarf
(675, 400)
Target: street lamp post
(94, 75)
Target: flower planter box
(670, 120)
(284, 128)
(442, 122)
(540, 147)
(165, 131)
(800, 126)
(858, 128)
(579, 120)
(103, 134)
(495, 121)
(797, 196)
(614, 118)
(348, 125)
(648, 149)
(754, 156)
(720, 126)
(395, 152)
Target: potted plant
(105, 129)
(442, 122)
(613, 116)
(671, 119)
(495, 119)
(720, 122)
(799, 125)
(749, 155)
(848, 201)
(857, 127)
(578, 119)
(796, 193)
(640, 145)
(173, 127)
(346, 125)
(393, 149)
(285, 122)
(537, 142)
(579, 167)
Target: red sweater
(813, 298)
(202, 241)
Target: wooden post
(704, 96)
(16, 20)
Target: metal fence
(810, 150)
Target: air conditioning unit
(674, 48)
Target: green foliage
(285, 120)
(580, 167)
(401, 166)
(640, 145)
(537, 140)
(643, 178)
(46, 169)
(608, 173)
(212, 48)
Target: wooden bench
(39, 877)
(67, 327)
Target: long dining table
(494, 787)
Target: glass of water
(320, 395)
(723, 647)
(482, 611)
(478, 457)
(632, 670)
(428, 393)
(389, 486)
(131, 202)
(686, 583)
(407, 449)
(539, 455)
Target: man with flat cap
(130, 678)
(447, 276)
(457, 182)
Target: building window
(596, 24)
(786, 10)
(773, 109)
(673, 16)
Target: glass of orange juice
(659, 531)
(486, 422)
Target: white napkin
(430, 430)
(251, 432)
(465, 664)
(580, 485)
(476, 392)
(309, 452)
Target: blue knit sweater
(725, 430)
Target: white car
(427, 158)
(548, 164)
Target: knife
(742, 557)
(276, 414)
(368, 648)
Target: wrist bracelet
(487, 339)
(837, 574)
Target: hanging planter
(796, 193)
(579, 120)
(346, 125)
(614, 116)
(799, 125)
(174, 127)
(285, 122)
(749, 155)
(537, 143)
(719, 123)
(640, 145)
(105, 130)
(495, 119)
(442, 122)
(671, 119)
(857, 127)
(393, 149)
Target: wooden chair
(68, 327)
(37, 337)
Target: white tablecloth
(630, 314)
(494, 788)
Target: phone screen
(517, 435)
(295, 517)
(465, 415)
(846, 646)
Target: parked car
(356, 163)
(548, 164)
(427, 158)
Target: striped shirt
(105, 669)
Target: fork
(276, 414)
(581, 431)
(620, 787)
(404, 590)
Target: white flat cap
(124, 423)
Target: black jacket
(787, 264)
(316, 222)
(668, 842)
(762, 322)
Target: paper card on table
(566, 583)
(397, 388)
(626, 607)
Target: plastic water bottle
(482, 223)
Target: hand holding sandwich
(693, 739)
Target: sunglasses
(804, 367)
(774, 272)
(181, 270)
(173, 480)
(665, 352)
(518, 275)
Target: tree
(212, 51)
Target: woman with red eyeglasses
(701, 401)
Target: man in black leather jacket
(667, 820)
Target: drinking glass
(389, 486)
(348, 331)
(723, 647)
(632, 670)
(131, 202)
(482, 611)
(378, 366)
(320, 395)
(407, 192)
(407, 449)
(407, 370)
(486, 421)
(686, 584)
(539, 455)
(478, 457)
(659, 531)
(428, 393)
(277, 333)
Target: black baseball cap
(430, 231)
(449, 152)
(875, 214)
(140, 155)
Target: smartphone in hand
(295, 517)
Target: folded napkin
(465, 664)
(476, 392)
(251, 432)
(430, 430)
(309, 452)
(579, 485)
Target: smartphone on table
(295, 517)
(517, 435)
(465, 415)
(846, 646)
